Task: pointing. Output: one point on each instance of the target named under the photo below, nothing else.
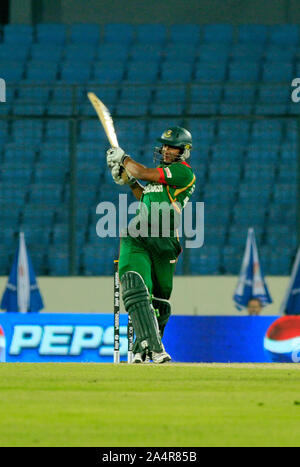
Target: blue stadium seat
(45, 195)
(184, 33)
(151, 33)
(277, 72)
(82, 33)
(224, 173)
(252, 33)
(267, 130)
(18, 34)
(15, 173)
(18, 153)
(132, 109)
(48, 174)
(23, 107)
(210, 71)
(172, 108)
(285, 34)
(222, 33)
(227, 152)
(247, 52)
(206, 93)
(57, 130)
(153, 52)
(138, 94)
(89, 131)
(55, 152)
(213, 53)
(109, 72)
(280, 53)
(261, 153)
(235, 108)
(75, 73)
(51, 33)
(12, 71)
(61, 109)
(202, 129)
(273, 93)
(232, 259)
(58, 262)
(33, 93)
(239, 94)
(75, 53)
(206, 260)
(231, 130)
(142, 72)
(51, 53)
(27, 130)
(284, 193)
(42, 72)
(182, 52)
(10, 53)
(88, 152)
(176, 72)
(244, 71)
(115, 32)
(112, 52)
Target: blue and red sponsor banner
(41, 337)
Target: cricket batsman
(147, 261)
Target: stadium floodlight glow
(2, 90)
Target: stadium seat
(110, 72)
(85, 34)
(80, 53)
(252, 34)
(50, 54)
(146, 33)
(210, 71)
(121, 33)
(285, 34)
(142, 72)
(51, 33)
(247, 52)
(213, 53)
(180, 72)
(234, 129)
(179, 52)
(18, 34)
(244, 71)
(112, 52)
(184, 33)
(277, 72)
(222, 33)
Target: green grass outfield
(170, 405)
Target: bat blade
(105, 118)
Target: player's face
(170, 153)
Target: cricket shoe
(141, 358)
(161, 357)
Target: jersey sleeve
(178, 175)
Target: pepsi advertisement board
(38, 337)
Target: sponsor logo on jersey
(168, 172)
(153, 189)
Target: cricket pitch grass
(173, 405)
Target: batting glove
(115, 156)
(116, 174)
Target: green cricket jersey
(174, 189)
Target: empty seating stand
(229, 85)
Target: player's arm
(140, 171)
(137, 189)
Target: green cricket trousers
(154, 258)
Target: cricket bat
(108, 126)
(105, 118)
